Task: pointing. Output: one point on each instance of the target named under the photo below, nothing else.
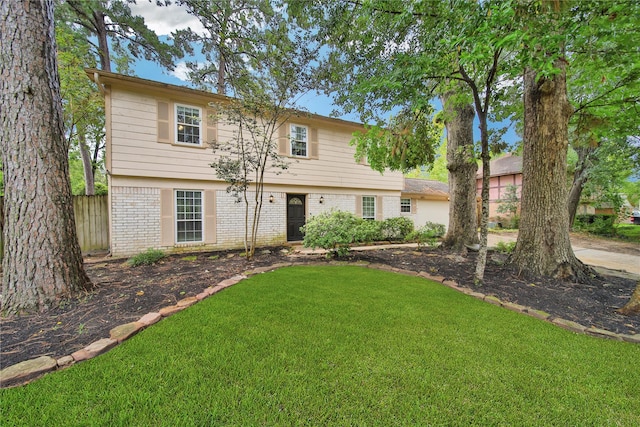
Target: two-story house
(164, 194)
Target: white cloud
(163, 20)
(181, 71)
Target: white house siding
(436, 211)
(135, 150)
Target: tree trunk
(580, 177)
(103, 45)
(633, 306)
(87, 165)
(543, 246)
(42, 261)
(463, 220)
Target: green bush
(602, 225)
(505, 247)
(397, 228)
(427, 235)
(148, 257)
(333, 230)
(368, 231)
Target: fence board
(92, 223)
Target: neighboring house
(504, 172)
(164, 194)
(425, 201)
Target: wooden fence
(92, 223)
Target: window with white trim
(188, 124)
(369, 207)
(405, 205)
(299, 140)
(188, 216)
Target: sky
(164, 20)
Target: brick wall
(135, 219)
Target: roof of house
(426, 188)
(507, 165)
(102, 78)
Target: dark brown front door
(295, 216)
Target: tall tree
(232, 37)
(89, 30)
(42, 261)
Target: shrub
(148, 257)
(368, 231)
(334, 231)
(603, 225)
(505, 247)
(397, 228)
(427, 235)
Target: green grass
(341, 346)
(629, 232)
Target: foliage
(116, 29)
(509, 203)
(602, 225)
(332, 230)
(368, 231)
(266, 89)
(629, 232)
(148, 257)
(397, 228)
(505, 247)
(427, 235)
(340, 345)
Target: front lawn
(341, 346)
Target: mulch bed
(123, 294)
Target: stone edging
(24, 372)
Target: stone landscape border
(25, 372)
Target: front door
(295, 216)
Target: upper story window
(299, 141)
(369, 207)
(188, 125)
(405, 205)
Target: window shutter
(212, 126)
(359, 206)
(379, 215)
(164, 128)
(210, 216)
(283, 140)
(166, 217)
(414, 206)
(314, 143)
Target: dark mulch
(124, 294)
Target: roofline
(101, 78)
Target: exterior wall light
(321, 199)
(271, 198)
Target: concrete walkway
(592, 257)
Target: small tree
(266, 93)
(509, 204)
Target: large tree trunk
(543, 246)
(463, 221)
(42, 261)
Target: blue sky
(164, 20)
